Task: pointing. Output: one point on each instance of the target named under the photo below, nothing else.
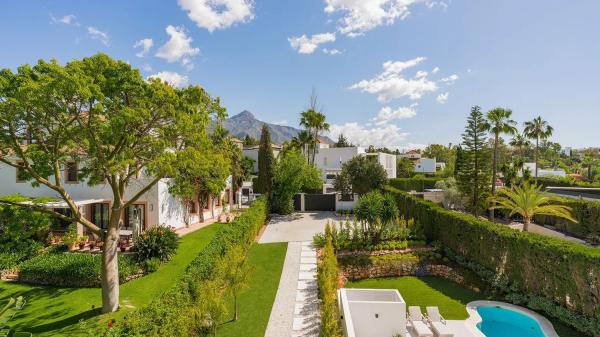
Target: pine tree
(474, 171)
(266, 163)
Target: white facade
(425, 165)
(330, 160)
(372, 312)
(252, 153)
(544, 172)
(156, 207)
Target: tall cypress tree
(266, 163)
(474, 171)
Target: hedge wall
(564, 272)
(587, 214)
(414, 184)
(565, 182)
(172, 314)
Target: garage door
(319, 202)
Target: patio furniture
(438, 323)
(9, 313)
(416, 319)
(4, 332)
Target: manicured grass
(450, 297)
(54, 311)
(256, 301)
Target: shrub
(158, 242)
(587, 214)
(178, 309)
(417, 183)
(559, 271)
(327, 278)
(151, 265)
(10, 260)
(22, 230)
(71, 269)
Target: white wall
(372, 312)
(388, 161)
(252, 153)
(345, 205)
(425, 165)
(544, 172)
(332, 159)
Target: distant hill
(245, 123)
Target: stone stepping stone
(308, 254)
(308, 267)
(305, 275)
(308, 260)
(304, 285)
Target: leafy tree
(473, 175)
(360, 175)
(203, 179)
(440, 152)
(250, 141)
(303, 141)
(376, 211)
(21, 230)
(235, 271)
(342, 141)
(537, 129)
(290, 178)
(101, 113)
(404, 168)
(528, 201)
(211, 308)
(312, 179)
(499, 123)
(266, 163)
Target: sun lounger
(438, 323)
(416, 319)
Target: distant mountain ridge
(245, 123)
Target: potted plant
(83, 241)
(123, 246)
(70, 237)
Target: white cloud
(435, 70)
(172, 78)
(306, 45)
(391, 84)
(66, 20)
(145, 44)
(283, 122)
(387, 114)
(450, 79)
(332, 51)
(379, 136)
(421, 73)
(178, 48)
(442, 98)
(97, 34)
(146, 67)
(218, 14)
(360, 16)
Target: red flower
(110, 324)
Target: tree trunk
(212, 207)
(537, 141)
(235, 308)
(110, 265)
(494, 172)
(526, 223)
(201, 209)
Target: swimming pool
(503, 322)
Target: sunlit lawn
(54, 311)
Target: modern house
(252, 153)
(545, 172)
(156, 207)
(422, 164)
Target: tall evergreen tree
(266, 163)
(474, 171)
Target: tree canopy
(360, 175)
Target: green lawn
(54, 311)
(256, 301)
(450, 297)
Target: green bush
(158, 242)
(587, 214)
(177, 310)
(562, 272)
(565, 182)
(10, 260)
(71, 269)
(418, 183)
(327, 278)
(21, 230)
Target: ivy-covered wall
(563, 272)
(587, 214)
(414, 184)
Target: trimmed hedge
(562, 272)
(71, 269)
(414, 184)
(327, 278)
(10, 260)
(587, 214)
(565, 182)
(177, 310)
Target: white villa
(155, 207)
(330, 160)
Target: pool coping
(474, 318)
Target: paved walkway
(295, 312)
(296, 227)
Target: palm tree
(528, 201)
(537, 129)
(314, 122)
(520, 143)
(302, 141)
(499, 122)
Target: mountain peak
(244, 115)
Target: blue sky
(399, 73)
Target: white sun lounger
(415, 317)
(438, 323)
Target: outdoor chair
(9, 313)
(4, 332)
(438, 323)
(416, 319)
(10, 303)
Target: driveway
(296, 227)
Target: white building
(544, 172)
(426, 165)
(155, 207)
(252, 153)
(331, 160)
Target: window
(191, 205)
(135, 217)
(60, 224)
(21, 173)
(100, 215)
(71, 169)
(208, 201)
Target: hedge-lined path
(295, 312)
(53, 311)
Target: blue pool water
(501, 322)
